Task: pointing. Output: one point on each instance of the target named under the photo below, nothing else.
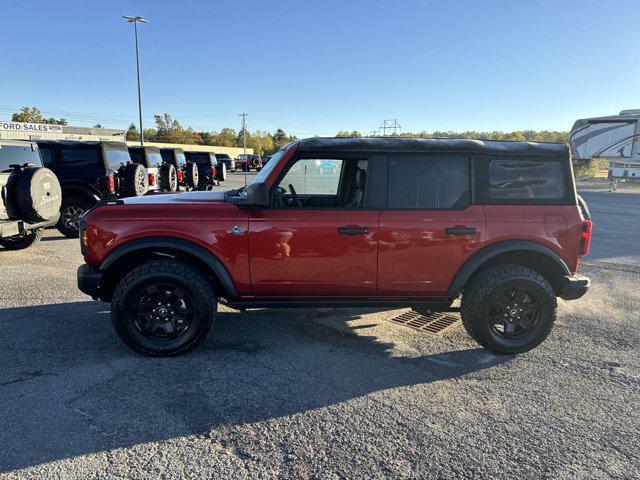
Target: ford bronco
(30, 195)
(384, 222)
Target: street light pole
(244, 145)
(135, 21)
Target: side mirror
(258, 194)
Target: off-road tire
(71, 206)
(221, 172)
(168, 178)
(170, 272)
(482, 289)
(192, 176)
(135, 181)
(20, 242)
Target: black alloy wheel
(162, 311)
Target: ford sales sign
(30, 127)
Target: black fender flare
(80, 188)
(495, 249)
(180, 244)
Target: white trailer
(614, 138)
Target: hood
(215, 196)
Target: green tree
(132, 133)
(169, 130)
(33, 115)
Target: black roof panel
(441, 145)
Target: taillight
(152, 179)
(111, 184)
(213, 171)
(585, 238)
(179, 172)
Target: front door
(318, 239)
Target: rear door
(429, 228)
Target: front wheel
(508, 309)
(20, 242)
(163, 307)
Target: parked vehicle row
(92, 171)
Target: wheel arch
(126, 257)
(521, 252)
(79, 189)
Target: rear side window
(77, 157)
(526, 179)
(19, 155)
(428, 182)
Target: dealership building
(40, 131)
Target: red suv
(350, 222)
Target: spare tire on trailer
(221, 172)
(192, 176)
(135, 181)
(168, 178)
(33, 194)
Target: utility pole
(244, 144)
(135, 21)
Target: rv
(614, 138)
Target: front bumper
(89, 280)
(574, 286)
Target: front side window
(428, 182)
(323, 183)
(523, 179)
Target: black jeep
(88, 172)
(187, 171)
(211, 172)
(31, 195)
(226, 159)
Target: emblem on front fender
(236, 230)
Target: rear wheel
(508, 309)
(70, 213)
(163, 307)
(20, 242)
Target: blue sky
(317, 67)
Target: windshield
(117, 158)
(266, 170)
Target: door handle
(460, 230)
(353, 230)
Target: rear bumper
(89, 281)
(574, 286)
(10, 228)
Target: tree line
(169, 130)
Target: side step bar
(434, 306)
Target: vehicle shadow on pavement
(69, 387)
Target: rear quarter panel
(557, 227)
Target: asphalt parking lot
(321, 393)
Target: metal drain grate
(434, 323)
